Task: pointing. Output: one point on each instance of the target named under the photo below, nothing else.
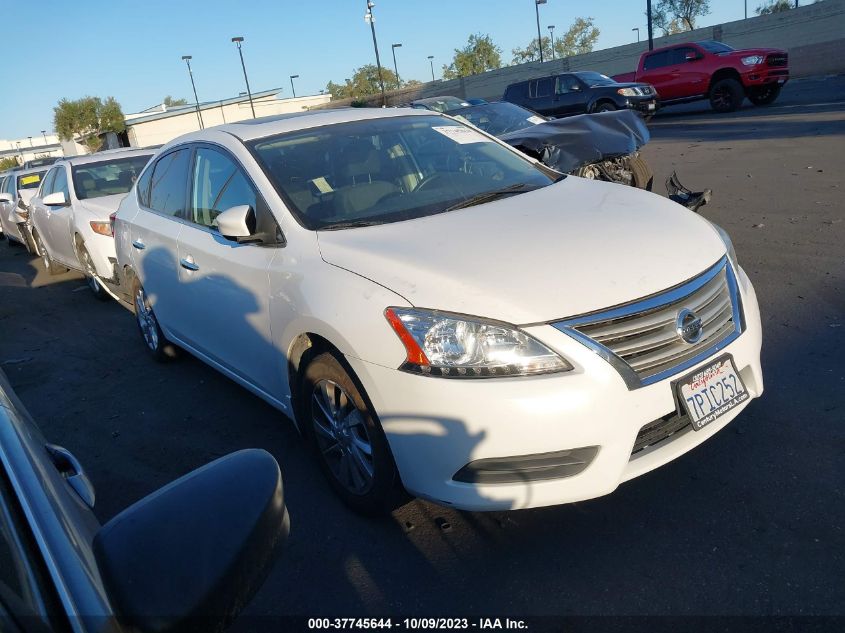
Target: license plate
(781, 81)
(711, 392)
(651, 106)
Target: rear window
(656, 60)
(30, 181)
(516, 91)
(108, 178)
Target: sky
(133, 50)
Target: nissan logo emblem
(689, 326)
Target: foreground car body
(62, 571)
(437, 309)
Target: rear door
(225, 285)
(541, 93)
(153, 234)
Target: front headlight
(752, 60)
(458, 346)
(628, 92)
(729, 246)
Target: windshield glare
(388, 169)
(715, 47)
(95, 180)
(499, 118)
(595, 79)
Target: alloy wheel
(146, 319)
(342, 437)
(90, 273)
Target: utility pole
(650, 28)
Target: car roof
(109, 154)
(31, 170)
(251, 129)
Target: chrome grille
(641, 338)
(777, 59)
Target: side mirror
(576, 87)
(191, 555)
(692, 56)
(6, 197)
(237, 222)
(56, 199)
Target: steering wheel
(426, 182)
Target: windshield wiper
(352, 224)
(488, 196)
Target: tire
(641, 171)
(27, 238)
(52, 267)
(726, 95)
(342, 427)
(154, 340)
(91, 274)
(764, 95)
(607, 106)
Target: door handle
(70, 468)
(139, 245)
(188, 263)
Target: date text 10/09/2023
(411, 624)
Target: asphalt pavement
(749, 523)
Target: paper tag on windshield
(461, 134)
(536, 120)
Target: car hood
(745, 52)
(572, 142)
(103, 206)
(563, 250)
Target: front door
(570, 95)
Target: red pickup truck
(715, 71)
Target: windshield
(30, 181)
(499, 118)
(715, 47)
(389, 169)
(108, 178)
(442, 104)
(595, 79)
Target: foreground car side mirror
(56, 199)
(237, 222)
(190, 556)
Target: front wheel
(157, 345)
(764, 95)
(91, 274)
(606, 107)
(726, 95)
(347, 437)
(49, 265)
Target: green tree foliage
(88, 118)
(678, 15)
(8, 163)
(579, 38)
(774, 6)
(170, 102)
(479, 55)
(365, 81)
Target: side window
(218, 183)
(566, 83)
(47, 185)
(143, 187)
(679, 55)
(656, 60)
(169, 186)
(543, 88)
(60, 182)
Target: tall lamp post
(551, 28)
(431, 61)
(650, 27)
(188, 59)
(238, 40)
(637, 29)
(292, 89)
(393, 47)
(44, 134)
(369, 18)
(537, 4)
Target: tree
(88, 118)
(678, 14)
(774, 6)
(365, 81)
(479, 55)
(580, 38)
(8, 163)
(170, 102)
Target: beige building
(161, 124)
(31, 147)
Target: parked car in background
(45, 161)
(601, 146)
(439, 104)
(581, 92)
(188, 557)
(438, 311)
(715, 71)
(71, 214)
(15, 196)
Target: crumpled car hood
(569, 143)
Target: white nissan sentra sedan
(439, 313)
(70, 213)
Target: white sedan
(71, 213)
(438, 313)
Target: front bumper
(436, 426)
(763, 75)
(644, 105)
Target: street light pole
(551, 28)
(393, 47)
(292, 89)
(368, 17)
(238, 40)
(431, 61)
(637, 29)
(44, 134)
(537, 4)
(650, 28)
(188, 59)
(30, 142)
